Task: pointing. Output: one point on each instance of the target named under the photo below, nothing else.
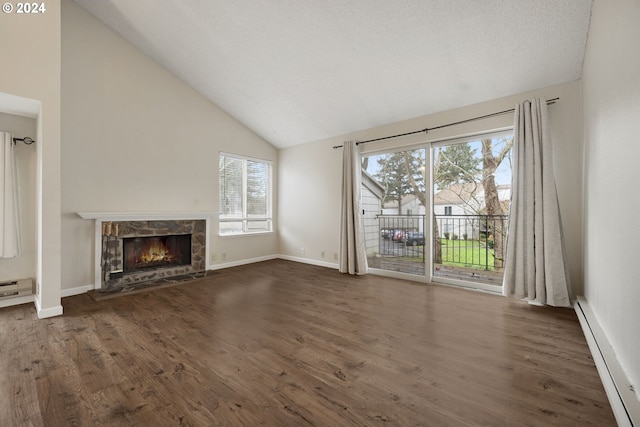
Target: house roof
(300, 71)
(457, 194)
(406, 199)
(460, 194)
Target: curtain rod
(26, 140)
(426, 130)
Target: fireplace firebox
(151, 252)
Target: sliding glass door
(439, 212)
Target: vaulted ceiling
(296, 71)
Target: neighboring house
(409, 218)
(455, 201)
(462, 202)
(468, 199)
(372, 194)
(410, 205)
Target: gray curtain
(353, 253)
(535, 267)
(9, 226)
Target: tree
(490, 163)
(402, 174)
(455, 164)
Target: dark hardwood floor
(279, 343)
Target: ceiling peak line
(426, 130)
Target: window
(447, 210)
(245, 195)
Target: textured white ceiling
(296, 71)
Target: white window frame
(245, 219)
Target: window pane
(231, 227)
(257, 189)
(231, 199)
(245, 195)
(258, 225)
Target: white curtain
(353, 253)
(9, 226)
(535, 267)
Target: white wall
(310, 174)
(611, 87)
(371, 208)
(24, 265)
(137, 139)
(309, 201)
(30, 50)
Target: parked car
(398, 235)
(387, 233)
(414, 238)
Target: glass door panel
(471, 197)
(394, 200)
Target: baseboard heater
(16, 288)
(621, 393)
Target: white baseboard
(240, 262)
(309, 261)
(623, 400)
(76, 291)
(43, 313)
(8, 302)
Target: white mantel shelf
(145, 216)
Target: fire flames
(156, 253)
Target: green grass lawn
(462, 253)
(467, 254)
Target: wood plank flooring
(280, 343)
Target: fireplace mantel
(104, 217)
(144, 216)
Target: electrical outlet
(322, 254)
(213, 257)
(224, 256)
(302, 250)
(335, 256)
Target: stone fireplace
(134, 248)
(141, 251)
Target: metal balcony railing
(473, 241)
(401, 235)
(466, 241)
